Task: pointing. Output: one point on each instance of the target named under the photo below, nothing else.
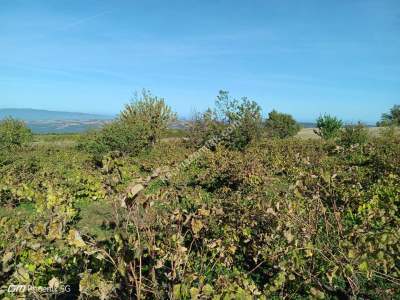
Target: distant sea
(45, 121)
(74, 126)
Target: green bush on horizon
(138, 127)
(328, 127)
(281, 125)
(241, 116)
(14, 133)
(353, 135)
(149, 113)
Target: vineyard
(255, 216)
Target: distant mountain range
(28, 114)
(46, 121)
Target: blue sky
(299, 57)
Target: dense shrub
(353, 134)
(138, 127)
(241, 117)
(392, 118)
(280, 125)
(204, 126)
(149, 113)
(14, 133)
(328, 127)
(115, 136)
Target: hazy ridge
(46, 121)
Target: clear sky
(300, 57)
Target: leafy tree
(392, 118)
(204, 126)
(14, 133)
(354, 134)
(328, 127)
(139, 126)
(240, 117)
(243, 116)
(281, 125)
(150, 113)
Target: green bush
(204, 126)
(280, 125)
(241, 118)
(149, 113)
(115, 136)
(353, 134)
(14, 133)
(138, 127)
(328, 127)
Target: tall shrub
(328, 127)
(280, 125)
(241, 116)
(14, 133)
(353, 134)
(139, 126)
(148, 112)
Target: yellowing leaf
(352, 253)
(55, 231)
(74, 238)
(204, 212)
(194, 293)
(197, 225)
(7, 257)
(317, 293)
(363, 266)
(22, 275)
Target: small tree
(392, 118)
(14, 133)
(280, 125)
(138, 127)
(328, 127)
(243, 114)
(150, 113)
(204, 126)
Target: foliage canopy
(281, 125)
(14, 133)
(149, 113)
(242, 117)
(328, 127)
(138, 127)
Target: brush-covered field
(289, 218)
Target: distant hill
(28, 115)
(308, 124)
(46, 121)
